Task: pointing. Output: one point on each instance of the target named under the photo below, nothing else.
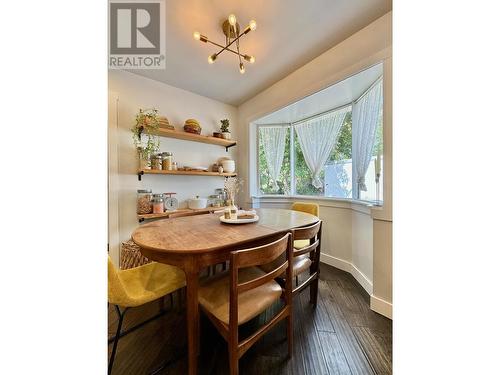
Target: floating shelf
(180, 212)
(185, 173)
(195, 137)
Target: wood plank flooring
(341, 336)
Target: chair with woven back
(232, 298)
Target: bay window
(337, 153)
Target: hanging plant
(146, 123)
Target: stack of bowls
(229, 166)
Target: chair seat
(213, 295)
(301, 264)
(148, 282)
(299, 244)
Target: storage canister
(158, 206)
(156, 162)
(167, 159)
(144, 202)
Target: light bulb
(212, 58)
(196, 35)
(249, 58)
(232, 19)
(253, 25)
(242, 68)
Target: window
(274, 159)
(336, 153)
(336, 172)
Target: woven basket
(131, 256)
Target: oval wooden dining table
(194, 242)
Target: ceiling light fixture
(231, 30)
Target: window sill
(346, 203)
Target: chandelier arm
(234, 40)
(238, 49)
(228, 49)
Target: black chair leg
(121, 315)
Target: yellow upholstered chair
(308, 208)
(137, 286)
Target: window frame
(293, 191)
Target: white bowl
(229, 166)
(197, 203)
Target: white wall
(356, 242)
(136, 92)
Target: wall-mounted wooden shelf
(195, 137)
(185, 173)
(179, 212)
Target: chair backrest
(311, 233)
(254, 257)
(116, 290)
(310, 208)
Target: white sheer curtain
(365, 116)
(273, 139)
(317, 137)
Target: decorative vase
(226, 135)
(144, 164)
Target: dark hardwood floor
(341, 336)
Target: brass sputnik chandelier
(231, 30)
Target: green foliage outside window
(303, 178)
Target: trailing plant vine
(146, 143)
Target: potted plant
(224, 129)
(146, 143)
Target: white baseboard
(376, 304)
(349, 267)
(381, 306)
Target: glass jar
(233, 209)
(166, 161)
(174, 166)
(144, 202)
(158, 205)
(213, 201)
(156, 162)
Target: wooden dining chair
(232, 298)
(306, 256)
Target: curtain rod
(321, 114)
(277, 124)
(368, 89)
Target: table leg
(192, 318)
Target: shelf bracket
(227, 147)
(139, 175)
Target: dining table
(194, 243)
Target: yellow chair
(137, 286)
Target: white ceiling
(339, 94)
(289, 34)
